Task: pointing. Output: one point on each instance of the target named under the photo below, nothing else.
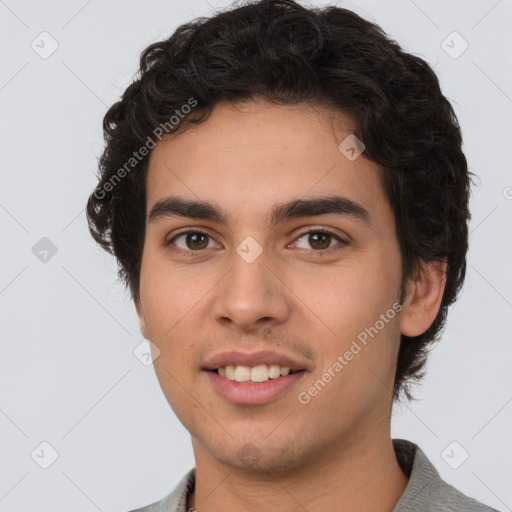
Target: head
(251, 109)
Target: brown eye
(196, 241)
(192, 240)
(320, 240)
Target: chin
(260, 457)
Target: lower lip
(253, 393)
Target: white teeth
(242, 374)
(259, 373)
(230, 372)
(274, 371)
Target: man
(285, 191)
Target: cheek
(171, 303)
(347, 298)
(166, 295)
(354, 305)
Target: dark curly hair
(290, 54)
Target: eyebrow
(176, 206)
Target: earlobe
(142, 317)
(424, 296)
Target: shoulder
(443, 497)
(426, 490)
(175, 501)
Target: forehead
(254, 155)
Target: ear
(424, 295)
(142, 318)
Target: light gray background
(68, 375)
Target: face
(319, 286)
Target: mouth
(255, 374)
(257, 385)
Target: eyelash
(319, 252)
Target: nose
(252, 295)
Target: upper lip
(268, 357)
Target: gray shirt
(425, 492)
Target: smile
(247, 391)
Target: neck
(360, 474)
